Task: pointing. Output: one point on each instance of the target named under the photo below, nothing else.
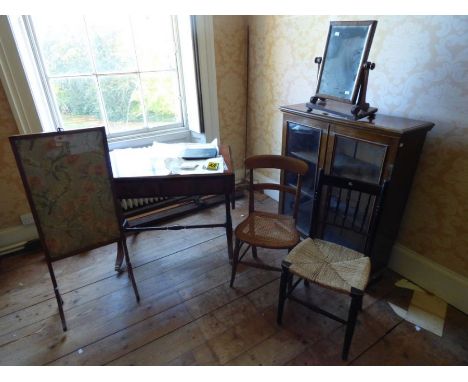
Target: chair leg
(57, 295)
(129, 267)
(356, 302)
(290, 281)
(285, 277)
(235, 260)
(254, 252)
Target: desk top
(145, 182)
(161, 160)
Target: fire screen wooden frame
(68, 181)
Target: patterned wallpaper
(13, 202)
(230, 38)
(421, 72)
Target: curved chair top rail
(273, 186)
(280, 162)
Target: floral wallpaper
(421, 72)
(13, 202)
(230, 39)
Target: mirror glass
(347, 48)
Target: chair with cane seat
(340, 205)
(264, 229)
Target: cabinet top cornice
(383, 122)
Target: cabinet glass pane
(308, 180)
(304, 214)
(358, 159)
(303, 142)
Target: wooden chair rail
(278, 162)
(273, 186)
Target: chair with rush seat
(264, 229)
(68, 181)
(340, 205)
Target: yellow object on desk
(212, 166)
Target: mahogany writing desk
(146, 184)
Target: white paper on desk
(160, 159)
(134, 162)
(175, 166)
(175, 150)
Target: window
(120, 72)
(135, 75)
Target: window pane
(63, 45)
(77, 101)
(122, 101)
(112, 45)
(154, 42)
(161, 97)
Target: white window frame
(28, 100)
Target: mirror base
(341, 109)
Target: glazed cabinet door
(306, 140)
(360, 155)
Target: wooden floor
(188, 314)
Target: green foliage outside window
(76, 87)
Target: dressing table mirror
(344, 69)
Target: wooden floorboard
(188, 314)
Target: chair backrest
(346, 211)
(68, 181)
(280, 162)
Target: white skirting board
(239, 175)
(443, 282)
(14, 238)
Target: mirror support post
(362, 106)
(318, 61)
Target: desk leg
(228, 226)
(120, 256)
(233, 201)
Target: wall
(13, 200)
(230, 38)
(421, 72)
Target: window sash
(29, 104)
(146, 129)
